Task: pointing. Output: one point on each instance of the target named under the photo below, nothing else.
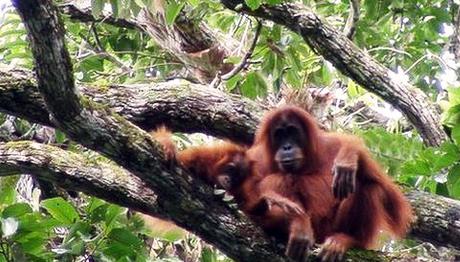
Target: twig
(353, 17)
(246, 57)
(99, 51)
(96, 38)
(29, 132)
(238, 24)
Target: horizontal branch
(437, 218)
(183, 106)
(85, 15)
(354, 63)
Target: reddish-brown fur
(355, 221)
(212, 163)
(209, 162)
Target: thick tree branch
(454, 39)
(354, 63)
(443, 215)
(85, 15)
(96, 176)
(181, 105)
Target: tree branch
(183, 106)
(443, 215)
(354, 63)
(96, 176)
(247, 56)
(353, 18)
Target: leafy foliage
(98, 229)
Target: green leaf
(233, 82)
(60, 136)
(125, 237)
(12, 32)
(274, 2)
(253, 4)
(98, 214)
(37, 223)
(232, 60)
(456, 134)
(208, 255)
(92, 63)
(94, 203)
(441, 189)
(454, 96)
(7, 190)
(173, 235)
(254, 85)
(113, 212)
(34, 245)
(453, 181)
(172, 11)
(118, 250)
(326, 74)
(16, 210)
(61, 210)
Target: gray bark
(181, 105)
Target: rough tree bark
(181, 105)
(97, 176)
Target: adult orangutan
(319, 187)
